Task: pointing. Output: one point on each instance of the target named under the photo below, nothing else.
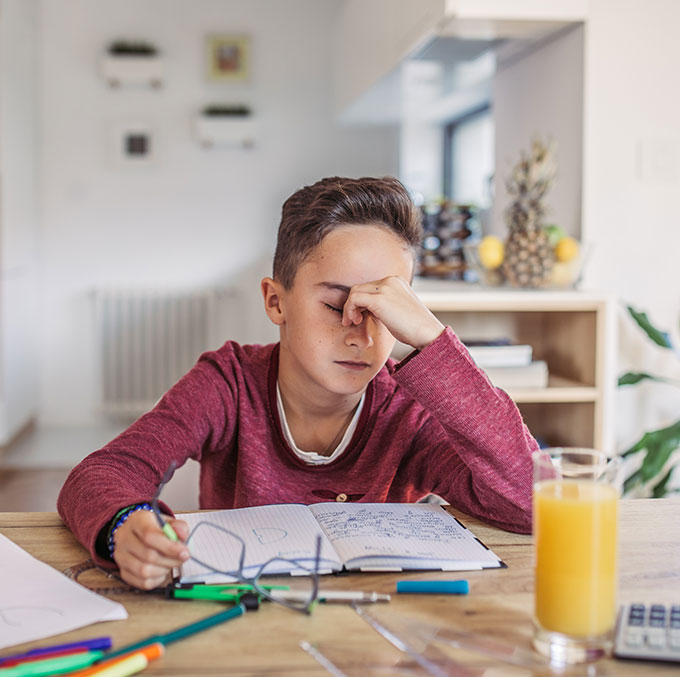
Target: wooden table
(266, 642)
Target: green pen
(165, 526)
(168, 530)
(53, 666)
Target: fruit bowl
(565, 274)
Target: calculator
(648, 632)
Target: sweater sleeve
(188, 420)
(482, 463)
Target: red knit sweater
(432, 423)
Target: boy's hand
(144, 554)
(395, 304)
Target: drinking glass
(575, 537)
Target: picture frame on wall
(134, 144)
(228, 58)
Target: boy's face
(318, 353)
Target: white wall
(541, 94)
(197, 217)
(19, 20)
(631, 178)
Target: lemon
(491, 252)
(566, 249)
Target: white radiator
(147, 340)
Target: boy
(322, 415)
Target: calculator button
(636, 620)
(658, 608)
(656, 639)
(634, 638)
(657, 622)
(674, 640)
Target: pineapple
(529, 257)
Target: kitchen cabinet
(572, 331)
(373, 37)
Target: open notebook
(354, 536)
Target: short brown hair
(312, 212)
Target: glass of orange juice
(575, 537)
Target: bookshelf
(572, 331)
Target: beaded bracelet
(119, 520)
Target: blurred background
(146, 147)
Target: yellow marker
(126, 666)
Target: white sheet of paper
(38, 601)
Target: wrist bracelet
(119, 520)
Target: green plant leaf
(638, 446)
(660, 444)
(632, 481)
(659, 490)
(661, 338)
(632, 377)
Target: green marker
(170, 532)
(53, 666)
(203, 593)
(167, 529)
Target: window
(469, 158)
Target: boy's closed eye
(333, 308)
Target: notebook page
(268, 531)
(400, 535)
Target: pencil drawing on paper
(267, 535)
(16, 616)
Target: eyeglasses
(205, 533)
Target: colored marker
(180, 633)
(93, 644)
(204, 593)
(434, 587)
(152, 652)
(32, 659)
(128, 665)
(53, 666)
(170, 532)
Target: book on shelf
(499, 353)
(533, 375)
(354, 536)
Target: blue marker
(434, 587)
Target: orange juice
(575, 538)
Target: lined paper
(287, 531)
(384, 536)
(400, 534)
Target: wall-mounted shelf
(572, 331)
(235, 131)
(132, 64)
